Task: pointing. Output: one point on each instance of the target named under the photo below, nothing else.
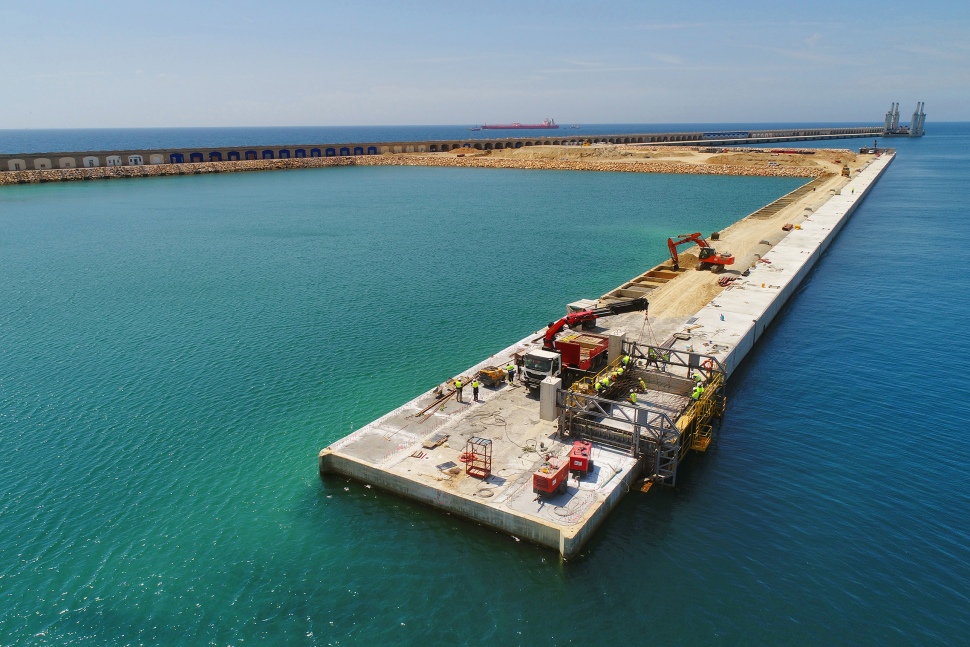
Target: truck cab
(540, 364)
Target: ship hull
(521, 127)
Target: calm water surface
(175, 351)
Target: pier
(45, 161)
(482, 459)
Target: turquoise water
(176, 351)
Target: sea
(174, 352)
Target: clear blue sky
(319, 63)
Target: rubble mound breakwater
(398, 159)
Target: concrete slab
(389, 452)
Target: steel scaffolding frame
(641, 429)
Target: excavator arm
(684, 239)
(574, 318)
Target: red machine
(581, 457)
(551, 477)
(577, 354)
(574, 318)
(709, 258)
(580, 351)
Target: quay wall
(530, 529)
(732, 322)
(572, 540)
(480, 160)
(741, 313)
(155, 157)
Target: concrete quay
(730, 325)
(415, 451)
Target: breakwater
(40, 161)
(469, 161)
(416, 451)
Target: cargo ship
(547, 124)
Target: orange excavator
(709, 258)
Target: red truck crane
(709, 258)
(574, 318)
(580, 354)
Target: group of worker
(611, 378)
(510, 370)
(698, 390)
(658, 359)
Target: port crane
(709, 258)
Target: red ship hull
(549, 124)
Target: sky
(102, 64)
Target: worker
(458, 390)
(652, 358)
(697, 378)
(619, 370)
(643, 385)
(598, 385)
(633, 397)
(606, 382)
(698, 390)
(511, 370)
(625, 360)
(475, 385)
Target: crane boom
(573, 318)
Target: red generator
(551, 477)
(581, 457)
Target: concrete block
(547, 398)
(615, 349)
